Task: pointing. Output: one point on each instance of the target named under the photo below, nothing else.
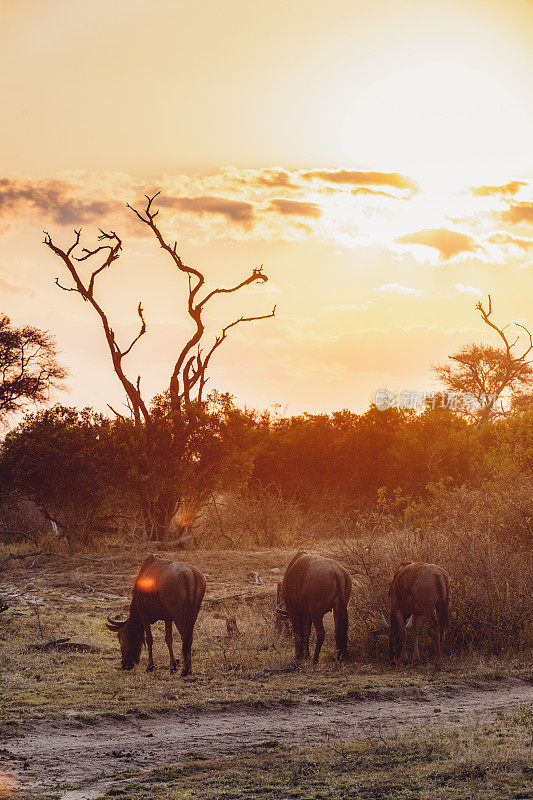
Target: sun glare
(444, 107)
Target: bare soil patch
(77, 759)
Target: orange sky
(376, 157)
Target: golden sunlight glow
(439, 90)
(443, 96)
(242, 120)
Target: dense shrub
(351, 456)
(262, 519)
(483, 538)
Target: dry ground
(71, 704)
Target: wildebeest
(163, 590)
(311, 587)
(418, 592)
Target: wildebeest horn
(409, 623)
(383, 619)
(114, 624)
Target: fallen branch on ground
(246, 595)
(292, 666)
(37, 554)
(65, 644)
(33, 554)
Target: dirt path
(52, 755)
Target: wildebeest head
(390, 629)
(130, 637)
(281, 609)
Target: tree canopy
(29, 368)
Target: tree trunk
(158, 513)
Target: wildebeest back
(167, 589)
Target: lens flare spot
(186, 518)
(146, 584)
(7, 786)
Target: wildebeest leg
(437, 641)
(306, 635)
(298, 631)
(186, 647)
(318, 622)
(340, 615)
(402, 636)
(168, 640)
(417, 622)
(149, 641)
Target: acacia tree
(490, 373)
(168, 439)
(29, 369)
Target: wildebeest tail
(443, 602)
(341, 621)
(196, 589)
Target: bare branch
(119, 416)
(76, 243)
(184, 377)
(138, 406)
(66, 288)
(141, 332)
(485, 313)
(222, 336)
(257, 274)
(147, 210)
(530, 348)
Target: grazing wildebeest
(311, 587)
(164, 590)
(417, 591)
(282, 624)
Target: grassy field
(60, 598)
(70, 596)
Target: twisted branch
(189, 370)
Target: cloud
(343, 176)
(373, 192)
(501, 237)
(448, 243)
(237, 211)
(276, 179)
(468, 289)
(11, 288)
(397, 288)
(296, 207)
(353, 307)
(519, 212)
(507, 188)
(56, 199)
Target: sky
(375, 157)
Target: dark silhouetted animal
(418, 592)
(163, 590)
(311, 587)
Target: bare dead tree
(487, 372)
(517, 368)
(189, 372)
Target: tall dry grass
(482, 538)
